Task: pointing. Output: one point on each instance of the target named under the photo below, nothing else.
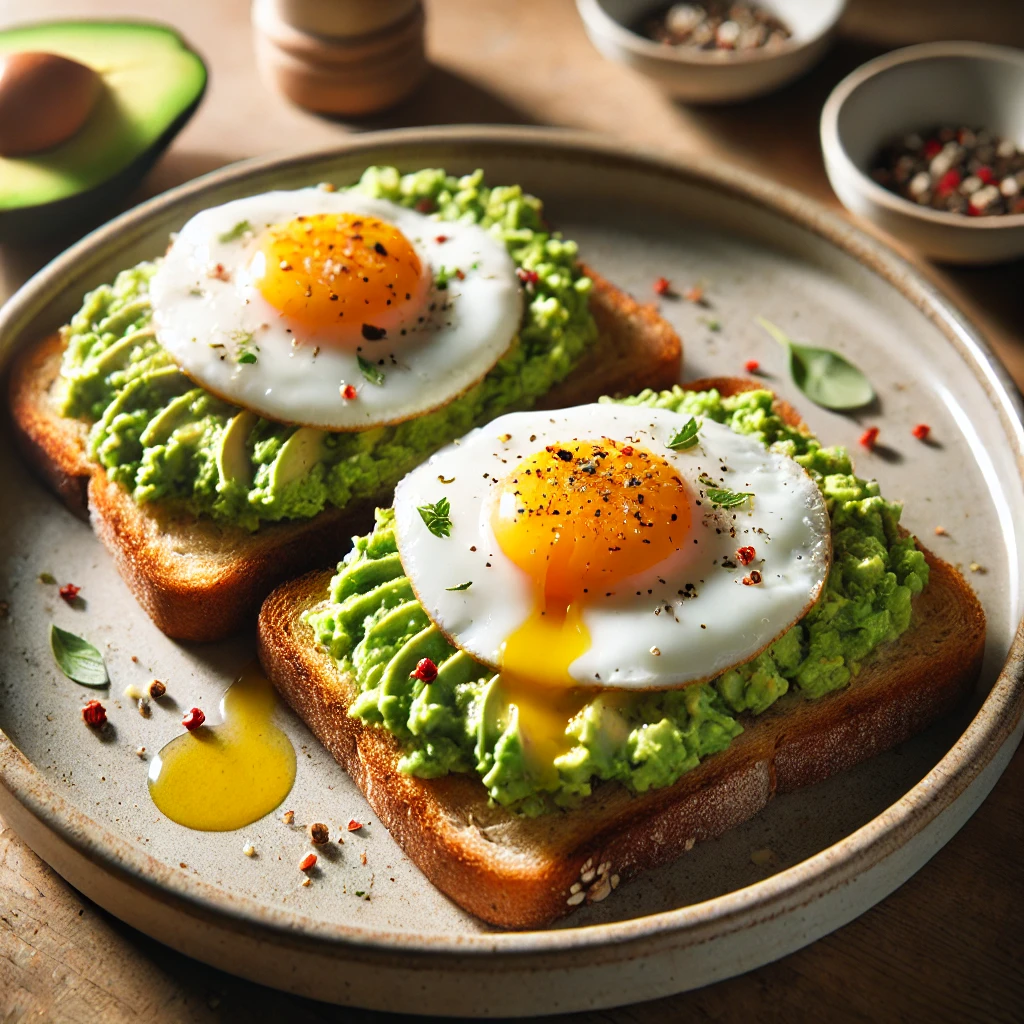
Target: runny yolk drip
(333, 273)
(578, 518)
(223, 777)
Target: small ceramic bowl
(710, 76)
(911, 90)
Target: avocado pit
(45, 99)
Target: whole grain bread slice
(202, 580)
(522, 873)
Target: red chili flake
(94, 714)
(626, 449)
(527, 276)
(921, 431)
(986, 174)
(307, 862)
(354, 826)
(425, 205)
(348, 392)
(932, 148)
(460, 274)
(753, 579)
(751, 366)
(69, 592)
(694, 294)
(193, 719)
(745, 555)
(869, 437)
(425, 671)
(441, 239)
(949, 181)
(663, 286)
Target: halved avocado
(152, 83)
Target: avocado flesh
(152, 83)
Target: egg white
(205, 318)
(647, 634)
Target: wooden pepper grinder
(349, 58)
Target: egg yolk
(340, 275)
(578, 518)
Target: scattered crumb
(249, 850)
(696, 295)
(132, 692)
(712, 323)
(47, 577)
(762, 857)
(319, 833)
(135, 659)
(975, 567)
(288, 817)
(941, 531)
(5, 609)
(362, 857)
(156, 689)
(140, 751)
(306, 882)
(690, 843)
(144, 708)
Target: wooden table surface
(949, 944)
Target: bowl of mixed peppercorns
(928, 143)
(713, 51)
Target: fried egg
(583, 551)
(333, 309)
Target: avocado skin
(89, 208)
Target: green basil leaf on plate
(824, 376)
(77, 658)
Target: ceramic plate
(833, 849)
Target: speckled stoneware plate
(835, 848)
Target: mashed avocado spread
(163, 438)
(373, 625)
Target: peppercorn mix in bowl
(928, 143)
(713, 51)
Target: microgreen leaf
(247, 357)
(373, 373)
(461, 586)
(235, 233)
(686, 436)
(724, 498)
(437, 517)
(824, 376)
(77, 658)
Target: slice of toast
(522, 873)
(202, 580)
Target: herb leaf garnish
(724, 498)
(686, 436)
(373, 373)
(235, 233)
(437, 517)
(824, 376)
(461, 586)
(77, 658)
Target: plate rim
(994, 724)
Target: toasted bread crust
(201, 580)
(518, 873)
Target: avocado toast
(896, 641)
(201, 534)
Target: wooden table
(949, 945)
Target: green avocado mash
(163, 438)
(373, 625)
